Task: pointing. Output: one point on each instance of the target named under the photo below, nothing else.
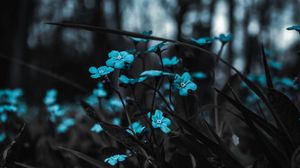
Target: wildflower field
(155, 102)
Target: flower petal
(165, 129)
(183, 92)
(93, 69)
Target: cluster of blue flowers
(10, 102)
(57, 112)
(122, 60)
(117, 60)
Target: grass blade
(84, 157)
(126, 33)
(267, 69)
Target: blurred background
(69, 53)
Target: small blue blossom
(155, 48)
(169, 62)
(2, 136)
(225, 38)
(50, 97)
(137, 39)
(274, 64)
(119, 60)
(159, 121)
(92, 100)
(116, 121)
(100, 72)
(113, 160)
(11, 96)
(203, 40)
(287, 82)
(252, 98)
(113, 105)
(125, 80)
(11, 108)
(296, 28)
(100, 91)
(3, 117)
(96, 128)
(64, 126)
(135, 128)
(55, 111)
(183, 84)
(155, 73)
(199, 75)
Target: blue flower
(203, 40)
(224, 38)
(199, 75)
(55, 111)
(155, 48)
(125, 80)
(296, 28)
(11, 108)
(96, 128)
(100, 91)
(183, 84)
(11, 95)
(3, 117)
(137, 39)
(100, 72)
(287, 82)
(50, 97)
(113, 160)
(92, 100)
(167, 62)
(155, 73)
(252, 98)
(116, 121)
(135, 128)
(2, 136)
(65, 125)
(114, 104)
(159, 121)
(274, 64)
(119, 60)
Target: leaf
(258, 91)
(267, 69)
(295, 160)
(126, 33)
(194, 147)
(117, 133)
(288, 113)
(99, 164)
(23, 165)
(275, 157)
(221, 152)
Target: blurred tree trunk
(183, 6)
(118, 14)
(18, 43)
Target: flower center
(101, 71)
(119, 57)
(159, 121)
(182, 84)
